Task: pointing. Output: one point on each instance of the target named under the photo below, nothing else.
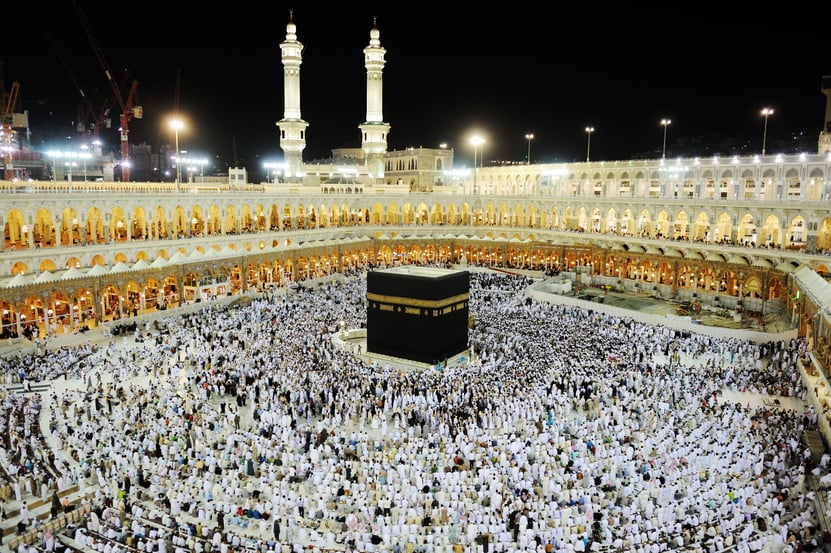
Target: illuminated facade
(726, 231)
(718, 230)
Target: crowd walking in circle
(566, 429)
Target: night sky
(449, 72)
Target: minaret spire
(292, 126)
(374, 131)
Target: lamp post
(69, 165)
(201, 163)
(529, 137)
(476, 141)
(766, 112)
(84, 156)
(270, 171)
(665, 123)
(589, 131)
(54, 155)
(177, 124)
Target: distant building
(419, 169)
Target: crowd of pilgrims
(563, 429)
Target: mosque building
(750, 234)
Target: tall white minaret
(374, 131)
(292, 126)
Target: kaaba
(417, 313)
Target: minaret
(374, 131)
(292, 126)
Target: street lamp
(766, 112)
(476, 141)
(177, 124)
(529, 137)
(53, 155)
(665, 123)
(84, 156)
(589, 131)
(271, 171)
(69, 165)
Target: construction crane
(7, 130)
(128, 109)
(90, 120)
(8, 103)
(176, 87)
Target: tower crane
(9, 102)
(176, 87)
(7, 129)
(128, 109)
(90, 120)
